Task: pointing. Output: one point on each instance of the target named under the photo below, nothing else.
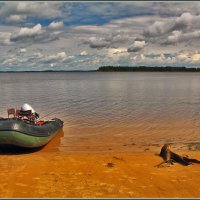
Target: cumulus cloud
(38, 55)
(158, 28)
(174, 37)
(117, 56)
(185, 19)
(34, 34)
(178, 36)
(56, 25)
(188, 58)
(117, 51)
(183, 56)
(178, 59)
(10, 61)
(59, 57)
(168, 25)
(25, 33)
(36, 9)
(136, 46)
(23, 50)
(83, 53)
(153, 59)
(5, 38)
(15, 18)
(51, 65)
(111, 40)
(196, 57)
(97, 42)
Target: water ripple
(95, 103)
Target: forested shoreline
(146, 69)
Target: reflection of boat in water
(55, 143)
(28, 132)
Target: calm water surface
(95, 103)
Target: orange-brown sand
(126, 173)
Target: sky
(66, 35)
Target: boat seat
(18, 114)
(28, 114)
(11, 111)
(23, 114)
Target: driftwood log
(170, 157)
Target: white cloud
(116, 56)
(15, 18)
(34, 34)
(5, 38)
(56, 25)
(196, 57)
(167, 25)
(136, 46)
(10, 61)
(178, 36)
(112, 51)
(37, 9)
(174, 37)
(51, 65)
(159, 28)
(98, 42)
(83, 53)
(38, 55)
(185, 18)
(183, 56)
(188, 57)
(23, 50)
(60, 57)
(30, 31)
(27, 32)
(153, 59)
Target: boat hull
(18, 133)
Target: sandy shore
(128, 174)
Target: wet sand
(123, 170)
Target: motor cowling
(26, 107)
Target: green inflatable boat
(19, 132)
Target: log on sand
(170, 157)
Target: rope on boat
(47, 115)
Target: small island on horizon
(147, 69)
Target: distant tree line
(146, 69)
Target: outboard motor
(26, 107)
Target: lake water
(155, 107)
